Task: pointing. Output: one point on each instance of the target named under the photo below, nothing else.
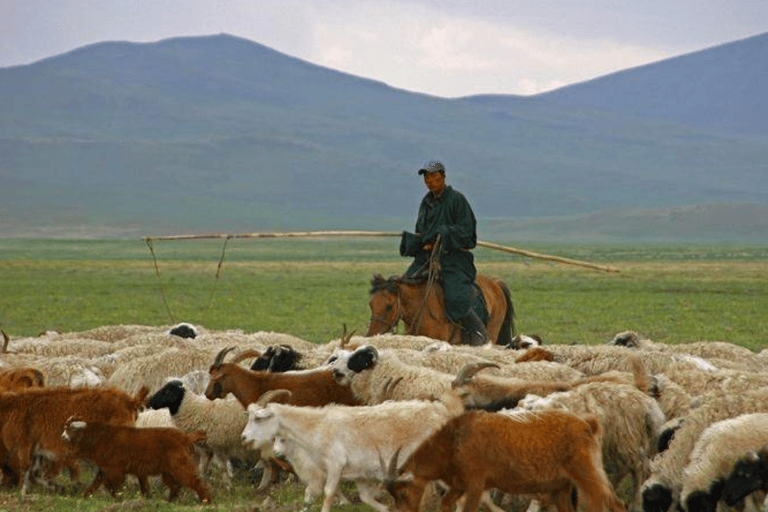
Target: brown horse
(399, 298)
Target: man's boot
(472, 330)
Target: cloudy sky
(446, 48)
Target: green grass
(309, 288)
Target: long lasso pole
(305, 234)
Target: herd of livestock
(412, 422)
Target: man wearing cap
(446, 212)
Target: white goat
(328, 444)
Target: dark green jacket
(451, 216)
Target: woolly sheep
(661, 491)
(184, 330)
(369, 372)
(593, 359)
(71, 371)
(748, 481)
(45, 347)
(113, 333)
(722, 354)
(153, 370)
(698, 383)
(714, 456)
(222, 419)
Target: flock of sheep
(678, 427)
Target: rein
(432, 275)
(433, 265)
(390, 325)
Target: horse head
(384, 304)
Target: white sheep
(222, 419)
(714, 456)
(698, 383)
(153, 370)
(594, 359)
(722, 354)
(377, 376)
(661, 491)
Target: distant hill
(721, 88)
(223, 134)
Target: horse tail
(508, 325)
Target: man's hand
(428, 246)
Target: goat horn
(391, 472)
(272, 395)
(6, 339)
(245, 354)
(390, 386)
(346, 337)
(469, 370)
(217, 362)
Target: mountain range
(222, 134)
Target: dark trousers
(457, 272)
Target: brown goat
(493, 393)
(548, 452)
(309, 388)
(31, 422)
(119, 450)
(15, 379)
(535, 354)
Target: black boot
(472, 330)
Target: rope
(432, 275)
(159, 282)
(218, 274)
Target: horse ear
(377, 278)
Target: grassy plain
(309, 288)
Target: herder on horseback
(446, 232)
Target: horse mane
(379, 282)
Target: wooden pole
(305, 234)
(548, 257)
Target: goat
(119, 450)
(222, 419)
(548, 452)
(14, 379)
(493, 393)
(31, 422)
(630, 421)
(327, 444)
(310, 387)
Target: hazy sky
(446, 48)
